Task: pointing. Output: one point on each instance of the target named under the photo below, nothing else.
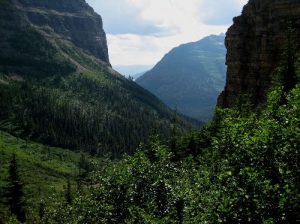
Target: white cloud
(144, 30)
(220, 11)
(132, 49)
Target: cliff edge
(73, 20)
(257, 44)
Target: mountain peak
(190, 77)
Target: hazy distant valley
(133, 71)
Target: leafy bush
(245, 172)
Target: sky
(141, 32)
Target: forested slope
(61, 93)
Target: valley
(81, 143)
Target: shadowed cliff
(264, 38)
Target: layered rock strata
(256, 44)
(72, 20)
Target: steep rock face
(257, 43)
(72, 20)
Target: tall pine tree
(68, 193)
(15, 191)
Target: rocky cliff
(72, 20)
(264, 37)
(58, 24)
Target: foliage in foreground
(245, 171)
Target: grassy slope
(41, 168)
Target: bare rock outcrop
(256, 44)
(72, 20)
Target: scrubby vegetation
(243, 168)
(245, 171)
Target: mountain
(190, 77)
(262, 41)
(133, 71)
(57, 85)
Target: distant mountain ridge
(190, 77)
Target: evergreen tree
(15, 191)
(68, 194)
